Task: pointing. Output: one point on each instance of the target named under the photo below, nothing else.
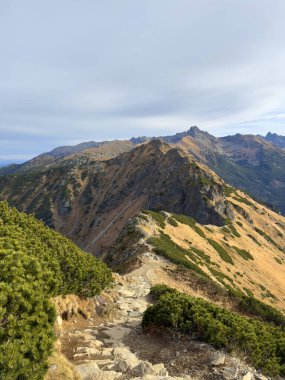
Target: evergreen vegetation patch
(157, 216)
(221, 251)
(164, 246)
(244, 254)
(262, 343)
(36, 264)
(172, 221)
(189, 222)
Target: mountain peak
(194, 131)
(276, 139)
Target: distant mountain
(87, 151)
(253, 163)
(168, 139)
(276, 139)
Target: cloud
(91, 70)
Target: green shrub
(221, 251)
(254, 239)
(244, 200)
(157, 216)
(263, 344)
(228, 190)
(172, 221)
(226, 230)
(234, 231)
(202, 255)
(278, 260)
(164, 246)
(244, 254)
(250, 305)
(36, 264)
(189, 222)
(268, 238)
(158, 290)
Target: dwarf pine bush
(36, 264)
(262, 343)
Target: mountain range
(253, 163)
(173, 218)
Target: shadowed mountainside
(91, 202)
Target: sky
(81, 70)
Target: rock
(259, 376)
(53, 367)
(87, 370)
(59, 320)
(91, 331)
(81, 356)
(247, 376)
(160, 370)
(96, 343)
(219, 359)
(125, 360)
(107, 351)
(117, 333)
(105, 363)
(134, 314)
(126, 293)
(143, 368)
(123, 366)
(106, 375)
(91, 351)
(230, 373)
(146, 368)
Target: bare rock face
(92, 202)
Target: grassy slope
(247, 255)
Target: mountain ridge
(92, 197)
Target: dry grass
(61, 368)
(264, 276)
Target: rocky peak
(276, 139)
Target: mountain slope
(253, 163)
(91, 202)
(246, 162)
(247, 254)
(85, 152)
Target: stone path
(101, 353)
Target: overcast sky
(80, 70)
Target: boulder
(87, 370)
(117, 332)
(125, 359)
(247, 376)
(218, 359)
(146, 368)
